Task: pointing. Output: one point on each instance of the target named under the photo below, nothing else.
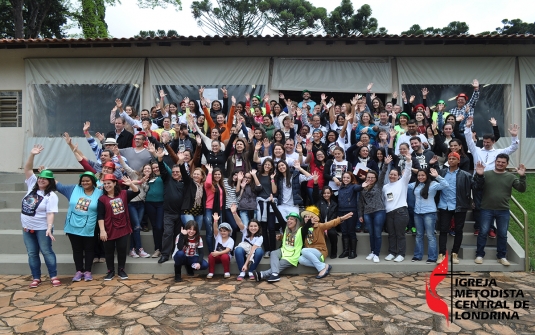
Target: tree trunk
(17, 17)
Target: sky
(127, 19)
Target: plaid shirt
(461, 111)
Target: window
(10, 108)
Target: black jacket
(328, 212)
(189, 190)
(464, 185)
(124, 140)
(173, 191)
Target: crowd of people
(294, 173)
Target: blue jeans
(411, 201)
(502, 223)
(240, 256)
(425, 222)
(180, 259)
(38, 242)
(374, 223)
(208, 222)
(229, 218)
(136, 210)
(244, 216)
(312, 257)
(155, 213)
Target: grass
(527, 200)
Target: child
(223, 246)
(250, 248)
(189, 251)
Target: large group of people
(288, 173)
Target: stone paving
(375, 303)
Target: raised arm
(28, 167)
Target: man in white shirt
(406, 138)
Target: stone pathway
(376, 303)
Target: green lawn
(527, 200)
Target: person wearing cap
(439, 113)
(314, 249)
(114, 222)
(454, 202)
(290, 250)
(107, 143)
(39, 206)
(315, 124)
(256, 101)
(306, 99)
(81, 221)
(464, 106)
(224, 244)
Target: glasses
(175, 172)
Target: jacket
(424, 206)
(173, 190)
(124, 140)
(296, 188)
(348, 198)
(327, 211)
(189, 190)
(464, 184)
(314, 237)
(371, 201)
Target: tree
(33, 18)
(344, 21)
(158, 33)
(294, 17)
(230, 17)
(159, 3)
(453, 28)
(516, 26)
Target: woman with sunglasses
(39, 206)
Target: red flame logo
(434, 301)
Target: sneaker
(452, 232)
(110, 275)
(370, 257)
(210, 276)
(226, 275)
(267, 254)
(399, 259)
(78, 276)
(145, 229)
(415, 259)
(492, 234)
(257, 276)
(413, 229)
(88, 276)
(35, 283)
(478, 260)
(389, 257)
(133, 253)
(122, 274)
(142, 253)
(476, 232)
(440, 258)
(376, 259)
(430, 261)
(273, 278)
(156, 254)
(240, 278)
(454, 258)
(96, 260)
(408, 231)
(504, 261)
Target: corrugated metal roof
(216, 38)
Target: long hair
(287, 175)
(195, 226)
(369, 187)
(283, 156)
(258, 233)
(220, 182)
(50, 188)
(282, 138)
(425, 190)
(261, 169)
(380, 108)
(335, 136)
(460, 143)
(316, 161)
(372, 120)
(383, 151)
(230, 179)
(352, 176)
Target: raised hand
(513, 130)
(411, 99)
(266, 142)
(266, 97)
(469, 121)
(475, 84)
(369, 87)
(159, 153)
(250, 135)
(393, 132)
(425, 92)
(216, 216)
(233, 208)
(201, 91)
(299, 148)
(299, 112)
(372, 96)
(403, 96)
(118, 103)
(309, 146)
(100, 136)
(433, 173)
(408, 158)
(224, 90)
(183, 231)
(209, 168)
(233, 99)
(434, 126)
(433, 160)
(353, 101)
(36, 150)
(365, 184)
(395, 95)
(273, 175)
(162, 94)
(323, 97)
(126, 181)
(521, 169)
(67, 138)
(480, 168)
(281, 95)
(253, 172)
(247, 96)
(198, 139)
(388, 159)
(207, 102)
(116, 151)
(87, 125)
(186, 101)
(240, 176)
(315, 176)
(493, 121)
(459, 118)
(151, 149)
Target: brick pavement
(375, 303)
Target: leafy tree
(516, 26)
(159, 3)
(344, 21)
(453, 28)
(33, 19)
(294, 17)
(230, 17)
(158, 33)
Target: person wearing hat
(224, 244)
(81, 222)
(39, 206)
(306, 100)
(439, 114)
(256, 101)
(114, 222)
(109, 143)
(314, 249)
(454, 202)
(464, 106)
(288, 254)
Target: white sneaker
(370, 257)
(504, 261)
(143, 254)
(376, 259)
(399, 259)
(267, 254)
(389, 257)
(478, 260)
(156, 254)
(133, 253)
(210, 275)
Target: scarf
(216, 205)
(198, 195)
